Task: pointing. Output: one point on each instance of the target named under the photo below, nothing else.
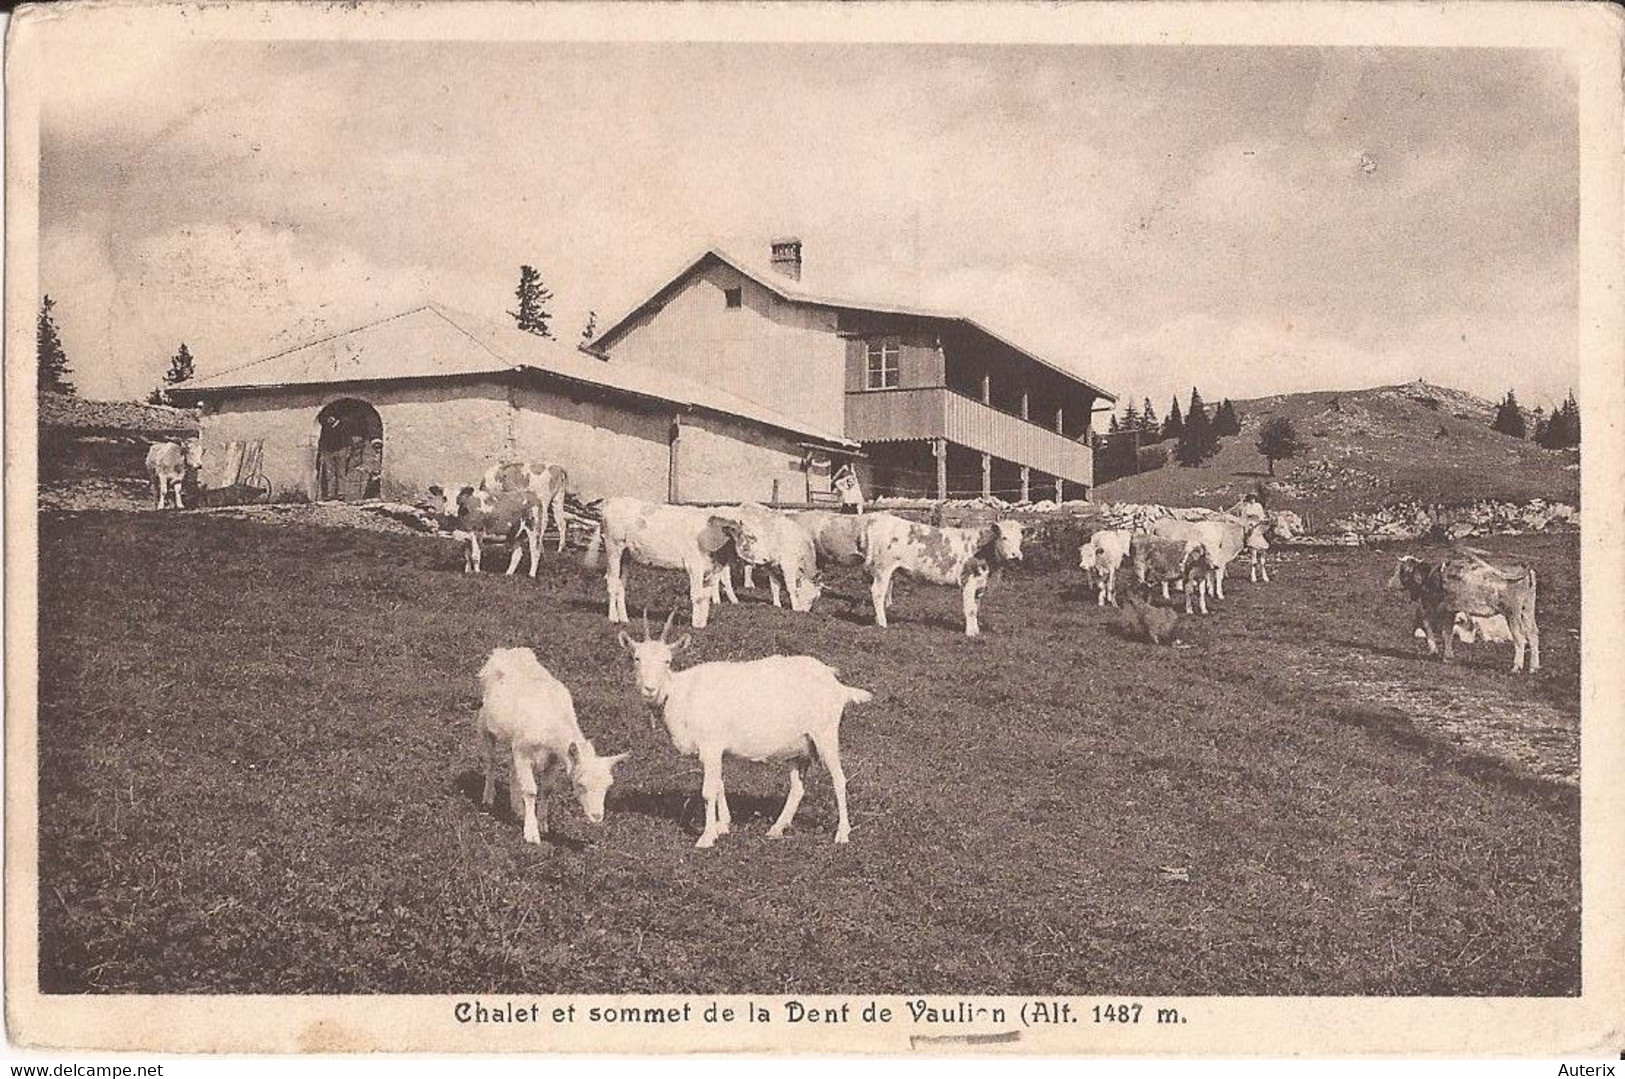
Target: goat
(525, 708)
(782, 708)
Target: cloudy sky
(1252, 220)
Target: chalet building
(942, 406)
(434, 395)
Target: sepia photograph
(869, 528)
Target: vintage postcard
(807, 528)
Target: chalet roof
(792, 290)
(433, 341)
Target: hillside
(1367, 449)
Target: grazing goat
(526, 709)
(782, 708)
(953, 556)
(1471, 586)
(1101, 558)
(167, 466)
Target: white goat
(782, 708)
(525, 708)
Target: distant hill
(1367, 449)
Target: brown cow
(1468, 585)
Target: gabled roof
(433, 341)
(788, 289)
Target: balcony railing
(938, 412)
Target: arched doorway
(349, 451)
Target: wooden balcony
(938, 412)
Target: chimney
(787, 256)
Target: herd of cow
(789, 708)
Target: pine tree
(1278, 440)
(180, 369)
(1148, 416)
(1509, 418)
(1225, 421)
(1199, 441)
(533, 297)
(1174, 425)
(1116, 425)
(1563, 430)
(53, 360)
(1131, 418)
(590, 330)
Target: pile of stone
(1413, 520)
(1138, 517)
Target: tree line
(1195, 434)
(1558, 431)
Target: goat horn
(665, 629)
(646, 630)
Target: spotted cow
(965, 557)
(470, 513)
(546, 481)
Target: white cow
(1101, 558)
(167, 466)
(782, 708)
(1223, 536)
(763, 537)
(965, 557)
(688, 538)
(528, 711)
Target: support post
(1060, 421)
(939, 449)
(987, 475)
(1060, 490)
(673, 492)
(987, 389)
(1024, 413)
(1026, 483)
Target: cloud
(1134, 212)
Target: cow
(168, 464)
(546, 481)
(1466, 584)
(469, 512)
(965, 557)
(688, 538)
(1100, 560)
(1160, 559)
(763, 537)
(838, 539)
(1224, 536)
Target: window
(731, 297)
(884, 364)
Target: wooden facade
(973, 404)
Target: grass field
(256, 775)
